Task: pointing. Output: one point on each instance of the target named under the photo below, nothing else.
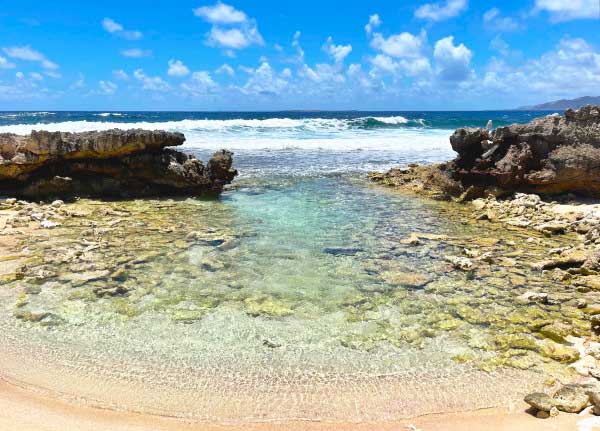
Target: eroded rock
(115, 163)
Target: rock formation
(114, 163)
(549, 155)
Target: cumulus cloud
(374, 22)
(200, 83)
(337, 52)
(107, 87)
(494, 19)
(152, 83)
(234, 38)
(225, 69)
(136, 53)
(453, 61)
(264, 81)
(5, 64)
(566, 10)
(221, 13)
(441, 11)
(231, 28)
(27, 54)
(401, 45)
(177, 68)
(114, 27)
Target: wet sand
(25, 410)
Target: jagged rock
(550, 155)
(119, 163)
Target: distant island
(563, 104)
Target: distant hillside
(561, 105)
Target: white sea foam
(267, 134)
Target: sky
(315, 54)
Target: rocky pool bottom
(317, 298)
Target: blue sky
(272, 55)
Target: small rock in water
(571, 398)
(339, 251)
(48, 224)
(530, 296)
(460, 262)
(57, 203)
(539, 400)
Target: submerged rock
(115, 163)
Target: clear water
(293, 296)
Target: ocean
(299, 142)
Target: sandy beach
(25, 410)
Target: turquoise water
(300, 294)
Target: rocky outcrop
(549, 155)
(115, 163)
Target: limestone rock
(116, 163)
(540, 401)
(571, 398)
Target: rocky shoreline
(114, 163)
(495, 173)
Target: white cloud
(566, 10)
(221, 13)
(27, 54)
(114, 27)
(441, 11)
(337, 52)
(234, 38)
(177, 68)
(107, 87)
(152, 83)
(453, 62)
(201, 83)
(231, 28)
(111, 26)
(52, 74)
(401, 45)
(225, 69)
(374, 22)
(385, 63)
(19, 75)
(136, 53)
(5, 64)
(296, 45)
(36, 76)
(120, 74)
(571, 69)
(493, 18)
(264, 81)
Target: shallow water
(289, 298)
(304, 292)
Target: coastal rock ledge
(549, 155)
(113, 163)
